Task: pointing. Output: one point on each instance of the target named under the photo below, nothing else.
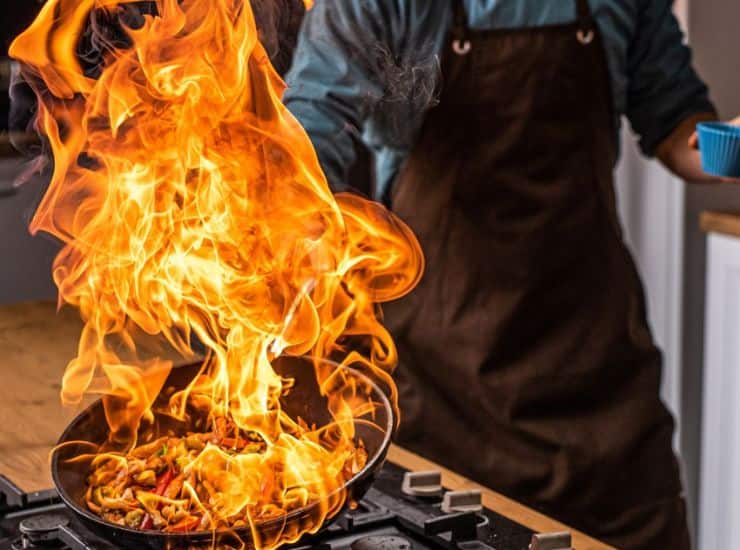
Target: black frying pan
(304, 401)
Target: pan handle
(70, 538)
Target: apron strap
(586, 22)
(461, 44)
(585, 16)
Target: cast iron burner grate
(386, 519)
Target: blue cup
(720, 149)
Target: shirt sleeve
(664, 89)
(334, 83)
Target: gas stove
(402, 511)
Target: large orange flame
(191, 203)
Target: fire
(192, 205)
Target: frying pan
(304, 400)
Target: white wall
(714, 28)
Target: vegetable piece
(147, 523)
(134, 517)
(185, 525)
(162, 483)
(194, 442)
(149, 449)
(174, 486)
(233, 442)
(147, 477)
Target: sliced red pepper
(147, 522)
(162, 483)
(183, 526)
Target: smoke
(411, 86)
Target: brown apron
(526, 358)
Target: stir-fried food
(160, 485)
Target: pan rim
(120, 530)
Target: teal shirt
(366, 71)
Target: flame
(192, 204)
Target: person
(526, 359)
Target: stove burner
(40, 528)
(381, 543)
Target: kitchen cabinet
(719, 515)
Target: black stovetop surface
(386, 519)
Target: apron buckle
(461, 47)
(585, 37)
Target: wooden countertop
(36, 342)
(725, 223)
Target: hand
(694, 144)
(694, 139)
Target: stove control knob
(422, 484)
(551, 541)
(462, 501)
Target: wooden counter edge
(724, 223)
(496, 502)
